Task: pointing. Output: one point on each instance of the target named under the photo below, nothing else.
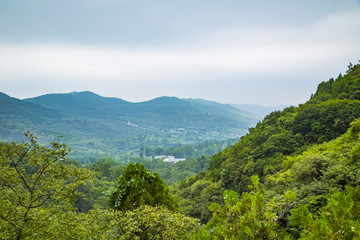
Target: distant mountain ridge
(92, 123)
(75, 101)
(167, 111)
(259, 110)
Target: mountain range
(259, 110)
(90, 123)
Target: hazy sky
(231, 51)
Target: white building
(173, 159)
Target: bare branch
(11, 210)
(17, 195)
(41, 173)
(9, 221)
(17, 170)
(43, 202)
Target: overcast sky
(231, 51)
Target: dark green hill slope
(18, 116)
(280, 135)
(4, 96)
(315, 195)
(80, 103)
(344, 87)
(287, 132)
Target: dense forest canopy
(295, 175)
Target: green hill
(79, 103)
(265, 151)
(99, 126)
(17, 117)
(157, 114)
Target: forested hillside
(295, 175)
(291, 152)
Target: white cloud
(224, 56)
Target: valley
(292, 175)
(96, 126)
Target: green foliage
(156, 223)
(250, 218)
(306, 151)
(143, 223)
(38, 187)
(297, 173)
(339, 219)
(346, 86)
(310, 168)
(97, 191)
(322, 169)
(94, 195)
(35, 184)
(289, 132)
(196, 196)
(137, 187)
(325, 121)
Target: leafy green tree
(320, 170)
(327, 120)
(35, 185)
(94, 195)
(339, 219)
(250, 218)
(137, 186)
(148, 222)
(143, 223)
